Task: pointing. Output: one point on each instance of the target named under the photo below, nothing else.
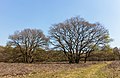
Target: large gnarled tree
(76, 36)
(28, 40)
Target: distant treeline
(13, 55)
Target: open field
(61, 70)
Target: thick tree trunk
(77, 59)
(71, 59)
(25, 58)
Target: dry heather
(20, 69)
(113, 70)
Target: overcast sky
(41, 14)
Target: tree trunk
(25, 58)
(87, 55)
(71, 59)
(30, 59)
(77, 59)
(85, 60)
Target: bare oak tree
(28, 40)
(76, 36)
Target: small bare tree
(28, 40)
(76, 36)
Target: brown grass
(15, 69)
(113, 70)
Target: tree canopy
(28, 40)
(76, 36)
